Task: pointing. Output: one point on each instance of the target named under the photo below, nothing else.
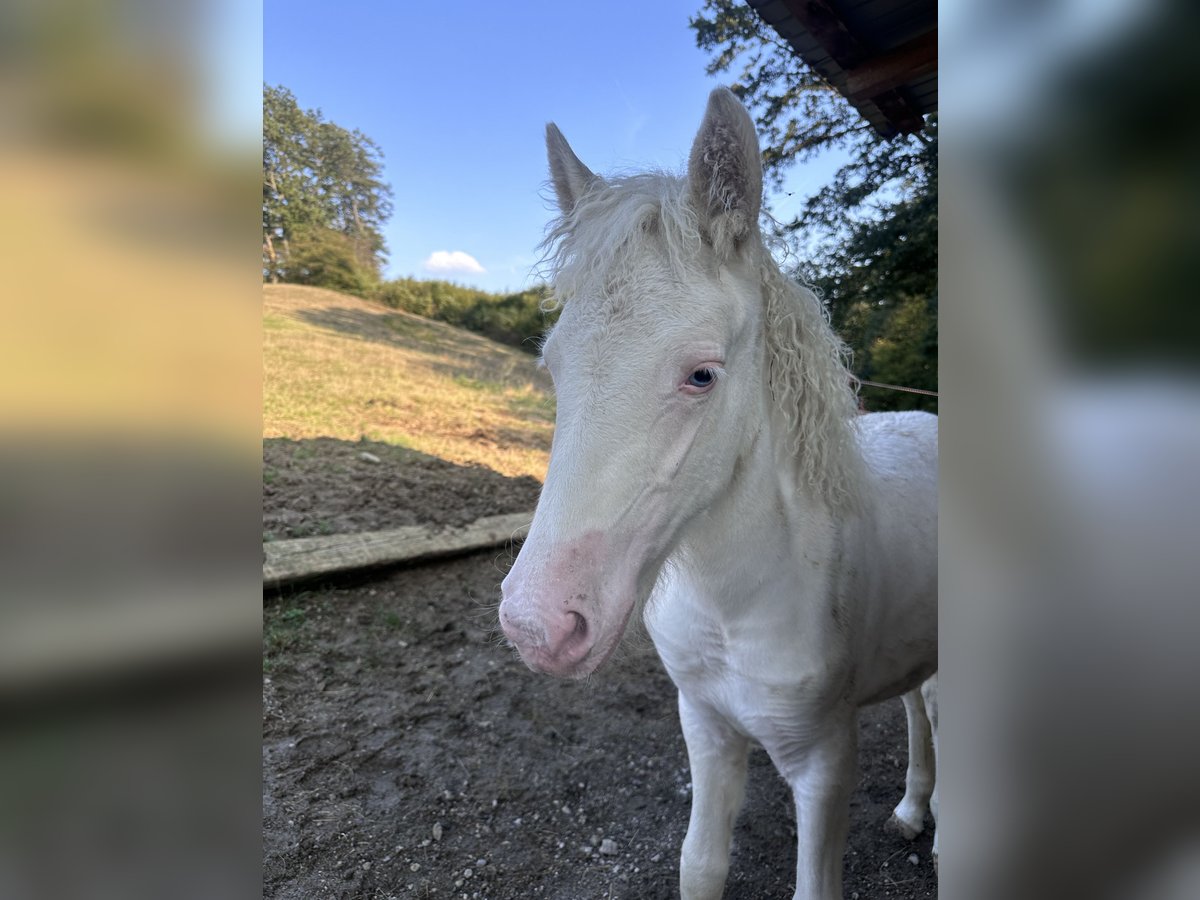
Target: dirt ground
(408, 753)
(328, 486)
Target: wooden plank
(893, 69)
(889, 109)
(300, 558)
(139, 627)
(821, 20)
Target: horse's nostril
(581, 625)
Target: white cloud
(453, 261)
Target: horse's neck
(750, 535)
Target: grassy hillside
(336, 366)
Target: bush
(402, 294)
(515, 319)
(325, 258)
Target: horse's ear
(725, 171)
(572, 179)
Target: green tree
(319, 180)
(870, 235)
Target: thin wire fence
(896, 387)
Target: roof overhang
(881, 55)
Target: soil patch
(408, 753)
(330, 486)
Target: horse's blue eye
(702, 378)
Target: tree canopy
(324, 203)
(870, 235)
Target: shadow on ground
(331, 486)
(474, 356)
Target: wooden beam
(139, 625)
(849, 54)
(901, 114)
(822, 21)
(302, 558)
(890, 70)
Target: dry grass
(336, 366)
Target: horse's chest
(699, 656)
(758, 676)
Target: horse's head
(658, 366)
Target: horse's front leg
(821, 772)
(717, 755)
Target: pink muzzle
(562, 609)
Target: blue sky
(457, 96)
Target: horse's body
(708, 459)
(780, 634)
(845, 606)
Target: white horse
(708, 459)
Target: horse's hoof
(902, 828)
